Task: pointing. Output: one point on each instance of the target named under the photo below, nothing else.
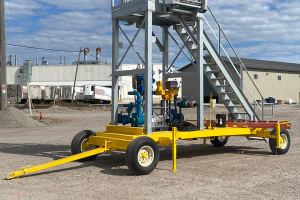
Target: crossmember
(119, 137)
(252, 124)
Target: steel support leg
(115, 64)
(165, 60)
(174, 147)
(262, 108)
(148, 73)
(241, 77)
(199, 73)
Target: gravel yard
(240, 170)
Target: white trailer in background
(35, 92)
(97, 93)
(87, 93)
(24, 93)
(65, 92)
(51, 92)
(78, 96)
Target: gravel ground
(240, 170)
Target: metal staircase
(217, 73)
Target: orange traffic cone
(41, 117)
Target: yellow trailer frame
(118, 138)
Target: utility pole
(76, 75)
(3, 93)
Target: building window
(279, 78)
(255, 76)
(21, 71)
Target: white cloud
(70, 24)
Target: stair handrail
(221, 46)
(231, 61)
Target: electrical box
(171, 85)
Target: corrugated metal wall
(47, 73)
(269, 85)
(189, 87)
(13, 75)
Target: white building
(273, 79)
(59, 75)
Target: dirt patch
(56, 108)
(12, 117)
(51, 120)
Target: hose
(183, 125)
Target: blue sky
(259, 29)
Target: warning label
(3, 89)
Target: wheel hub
(221, 138)
(284, 141)
(85, 146)
(145, 156)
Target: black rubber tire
(273, 142)
(76, 144)
(132, 154)
(217, 143)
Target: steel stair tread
(209, 64)
(221, 78)
(213, 71)
(226, 92)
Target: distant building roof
(261, 65)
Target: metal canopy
(134, 11)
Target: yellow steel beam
(27, 170)
(114, 143)
(278, 134)
(215, 132)
(125, 130)
(174, 147)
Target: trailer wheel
(284, 146)
(142, 155)
(79, 144)
(219, 141)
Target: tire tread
(131, 150)
(273, 143)
(76, 142)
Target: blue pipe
(138, 101)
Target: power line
(14, 27)
(40, 48)
(74, 12)
(101, 6)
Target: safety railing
(220, 46)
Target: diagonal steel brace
(181, 50)
(131, 43)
